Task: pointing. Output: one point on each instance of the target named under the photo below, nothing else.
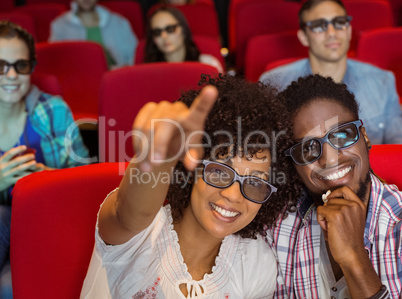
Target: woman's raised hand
(164, 132)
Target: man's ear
(301, 35)
(366, 139)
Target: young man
(347, 245)
(89, 21)
(325, 28)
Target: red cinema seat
(64, 2)
(131, 10)
(367, 15)
(277, 63)
(43, 14)
(280, 62)
(22, 19)
(258, 17)
(206, 45)
(47, 83)
(79, 67)
(396, 7)
(125, 91)
(386, 162)
(202, 18)
(53, 228)
(383, 48)
(267, 48)
(7, 5)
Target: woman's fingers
(202, 105)
(12, 153)
(141, 134)
(199, 111)
(160, 131)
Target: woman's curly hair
(254, 108)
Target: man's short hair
(307, 89)
(309, 4)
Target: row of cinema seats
(381, 47)
(75, 71)
(36, 17)
(52, 232)
(110, 99)
(246, 19)
(77, 76)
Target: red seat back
(47, 83)
(79, 67)
(396, 8)
(383, 48)
(267, 48)
(257, 17)
(22, 19)
(367, 15)
(43, 14)
(280, 62)
(380, 47)
(205, 44)
(64, 2)
(6, 5)
(131, 10)
(386, 161)
(53, 228)
(125, 91)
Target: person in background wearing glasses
(326, 29)
(169, 38)
(345, 239)
(92, 22)
(33, 128)
(206, 243)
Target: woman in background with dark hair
(169, 39)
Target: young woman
(33, 124)
(215, 154)
(168, 38)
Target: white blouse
(150, 265)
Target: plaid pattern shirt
(296, 240)
(61, 142)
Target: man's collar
(304, 205)
(373, 207)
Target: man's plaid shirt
(296, 240)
